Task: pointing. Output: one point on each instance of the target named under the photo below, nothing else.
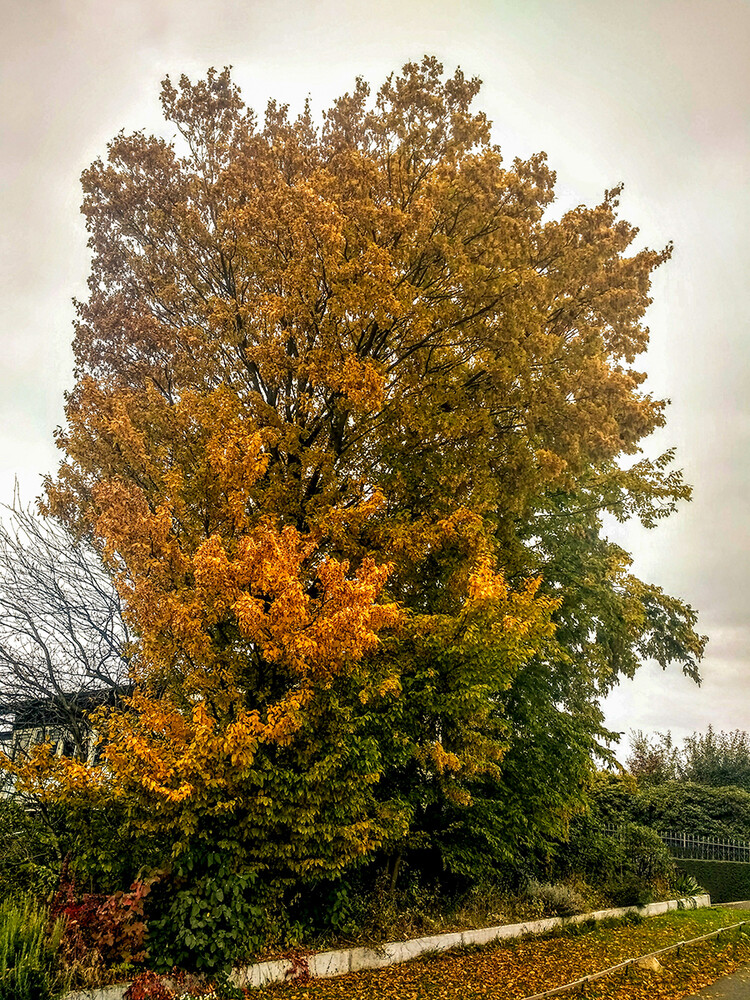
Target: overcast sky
(654, 93)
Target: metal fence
(688, 846)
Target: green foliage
(726, 881)
(655, 760)
(28, 951)
(102, 856)
(716, 759)
(646, 868)
(631, 867)
(206, 915)
(697, 809)
(342, 910)
(328, 907)
(527, 767)
(30, 853)
(682, 806)
(608, 621)
(686, 885)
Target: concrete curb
(326, 964)
(337, 963)
(104, 993)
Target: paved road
(734, 987)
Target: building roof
(35, 712)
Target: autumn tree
(350, 406)
(653, 760)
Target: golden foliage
(326, 380)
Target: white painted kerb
(336, 963)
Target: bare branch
(62, 635)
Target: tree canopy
(717, 759)
(351, 402)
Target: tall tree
(717, 758)
(712, 758)
(350, 405)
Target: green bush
(28, 953)
(328, 908)
(101, 856)
(719, 759)
(697, 809)
(29, 856)
(631, 868)
(206, 916)
(679, 805)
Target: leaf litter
(519, 969)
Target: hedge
(726, 881)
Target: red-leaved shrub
(114, 927)
(152, 986)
